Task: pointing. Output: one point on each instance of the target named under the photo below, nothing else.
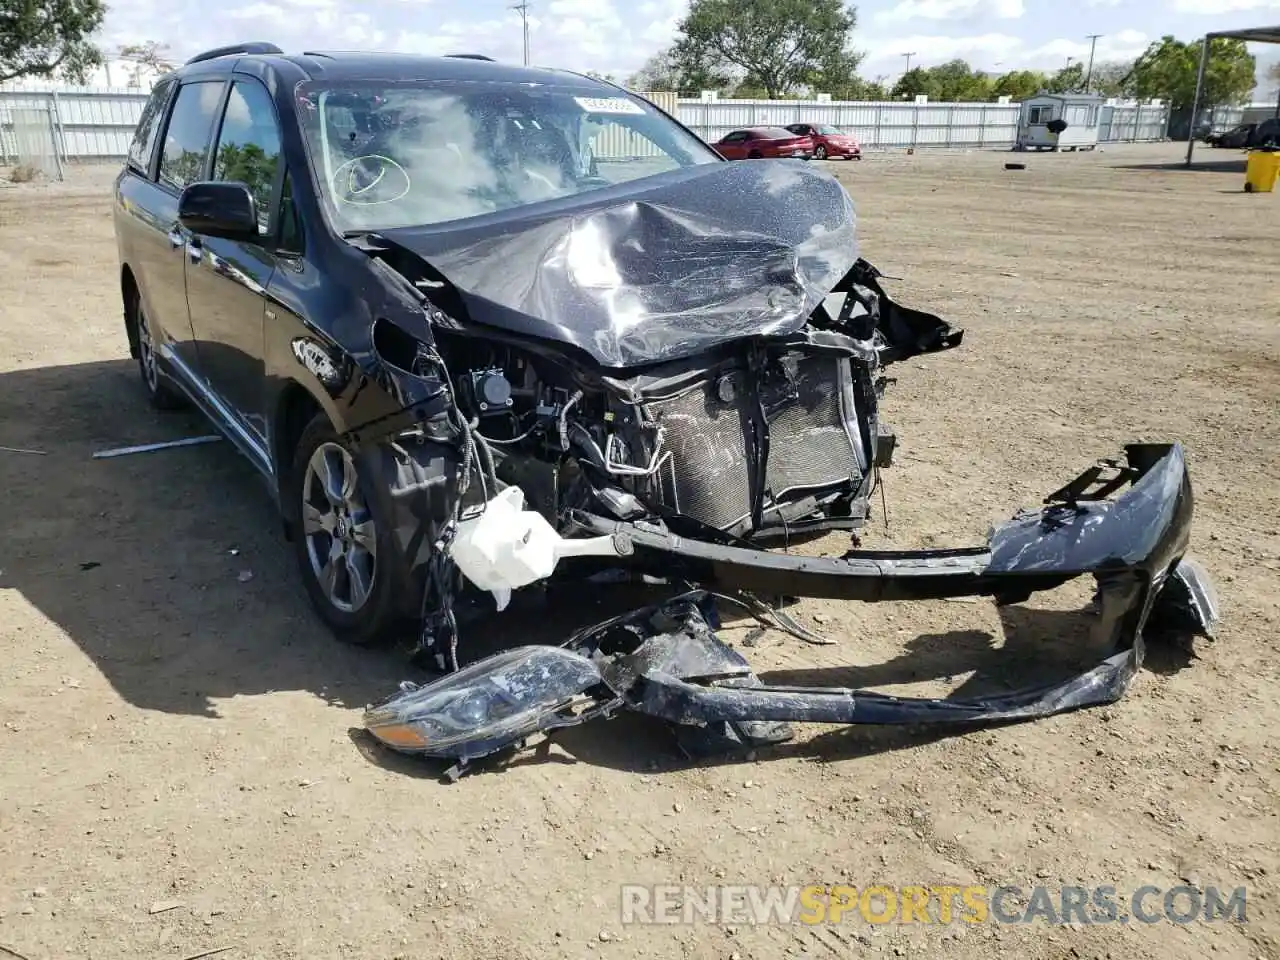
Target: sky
(616, 36)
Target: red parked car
(828, 141)
(760, 142)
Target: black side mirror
(218, 209)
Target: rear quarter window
(148, 129)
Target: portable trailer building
(1079, 110)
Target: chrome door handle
(194, 250)
(175, 238)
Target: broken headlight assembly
(486, 705)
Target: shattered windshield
(417, 153)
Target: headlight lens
(484, 706)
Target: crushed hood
(661, 268)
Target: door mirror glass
(219, 209)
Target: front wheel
(820, 153)
(159, 393)
(343, 552)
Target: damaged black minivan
(471, 319)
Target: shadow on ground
(170, 570)
(1233, 165)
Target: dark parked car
(1247, 136)
(828, 142)
(471, 320)
(763, 142)
(1266, 134)
(1237, 138)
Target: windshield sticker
(608, 105)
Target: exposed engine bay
(773, 439)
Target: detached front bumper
(667, 661)
(1133, 546)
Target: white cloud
(928, 50)
(1219, 7)
(908, 10)
(258, 11)
(997, 52)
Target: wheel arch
(294, 407)
(130, 293)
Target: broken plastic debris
(245, 576)
(148, 447)
(507, 547)
(37, 453)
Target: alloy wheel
(339, 529)
(820, 153)
(147, 352)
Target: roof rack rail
(471, 56)
(233, 49)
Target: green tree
(873, 90)
(838, 76)
(952, 81)
(1111, 79)
(41, 38)
(681, 72)
(958, 81)
(1168, 70)
(780, 44)
(1069, 79)
(1019, 84)
(914, 83)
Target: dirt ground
(173, 730)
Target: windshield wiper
(365, 240)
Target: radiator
(709, 474)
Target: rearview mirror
(218, 209)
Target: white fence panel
(876, 125)
(89, 123)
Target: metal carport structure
(1252, 35)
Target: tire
(753, 155)
(159, 394)
(820, 152)
(341, 536)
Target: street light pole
(1093, 43)
(523, 7)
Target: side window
(148, 129)
(186, 142)
(248, 148)
(1039, 116)
(736, 137)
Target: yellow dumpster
(1262, 171)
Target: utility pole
(523, 7)
(1093, 44)
(908, 56)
